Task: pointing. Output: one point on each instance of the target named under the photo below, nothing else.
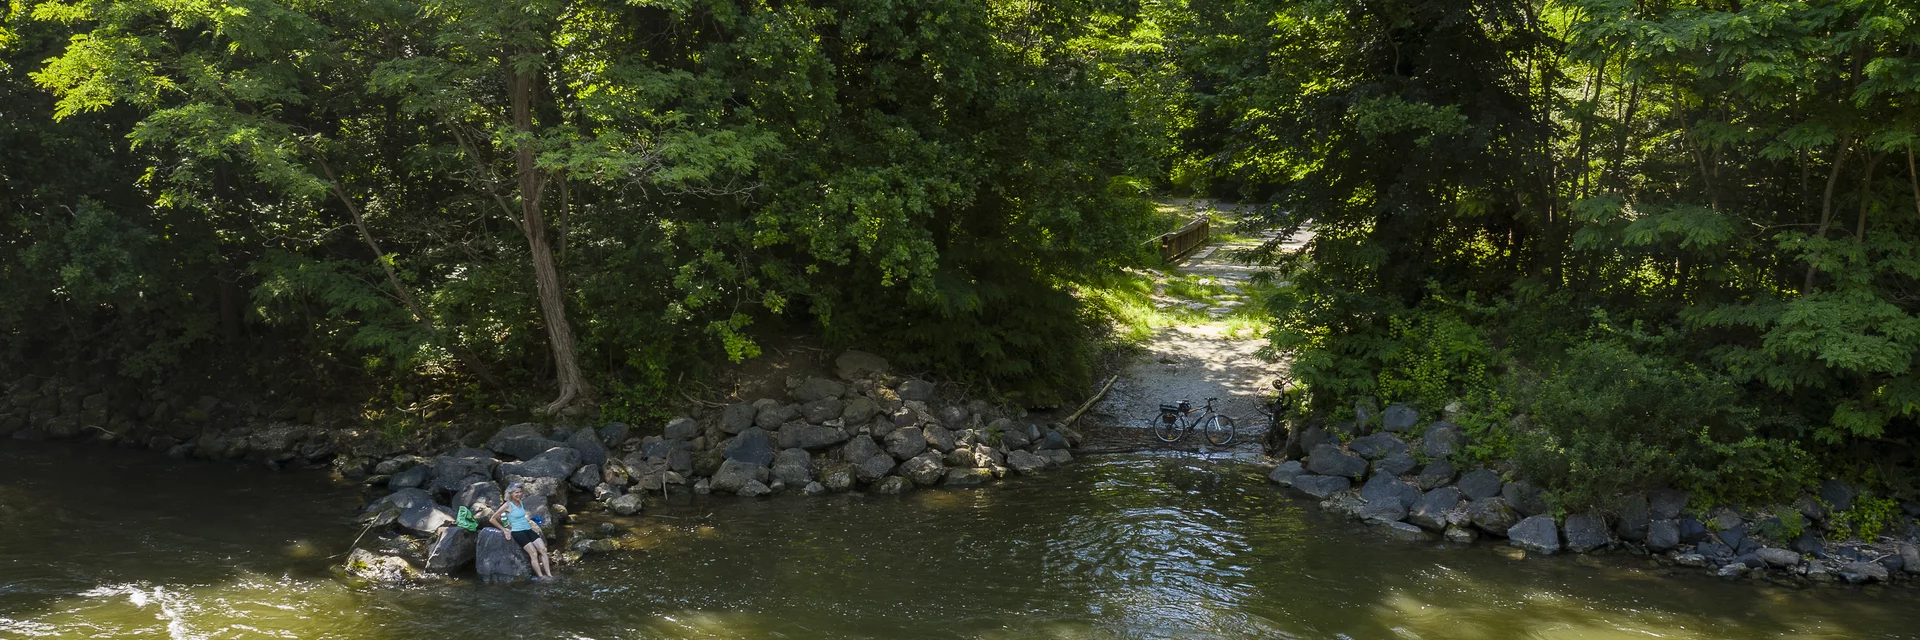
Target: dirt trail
(1197, 360)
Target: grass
(1140, 303)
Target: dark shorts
(524, 538)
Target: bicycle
(1173, 421)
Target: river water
(114, 544)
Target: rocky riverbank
(1389, 471)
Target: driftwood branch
(1071, 418)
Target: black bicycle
(1174, 421)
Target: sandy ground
(1194, 362)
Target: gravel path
(1194, 362)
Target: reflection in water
(114, 544)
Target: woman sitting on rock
(519, 527)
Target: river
(99, 543)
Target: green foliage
(1869, 517)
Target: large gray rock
(800, 435)
(587, 443)
(735, 474)
(1663, 535)
(892, 486)
(874, 468)
(1862, 572)
(1586, 532)
(1284, 474)
(771, 415)
(753, 489)
(813, 389)
(1441, 440)
(684, 428)
(858, 449)
(1634, 518)
(967, 477)
(794, 467)
(1396, 465)
(1777, 557)
(1436, 474)
(1537, 534)
(1492, 515)
(1389, 509)
(378, 568)
(1321, 486)
(1910, 557)
(557, 463)
(451, 548)
(1377, 446)
(858, 411)
(1329, 460)
(853, 365)
(751, 446)
(1055, 457)
(478, 494)
(1403, 531)
(924, 470)
(906, 443)
(738, 417)
(939, 437)
(1025, 463)
(822, 410)
(399, 501)
(920, 390)
(1315, 436)
(1382, 487)
(614, 433)
(1666, 504)
(1525, 498)
(523, 441)
(1431, 510)
(1399, 418)
(450, 472)
(627, 504)
(588, 477)
(425, 519)
(411, 478)
(497, 558)
(1480, 484)
(838, 476)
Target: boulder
(1525, 498)
(738, 417)
(755, 489)
(627, 504)
(557, 463)
(1388, 509)
(1537, 534)
(1012, 436)
(1910, 557)
(587, 443)
(822, 410)
(588, 477)
(1691, 530)
(1025, 463)
(858, 449)
(450, 472)
(373, 567)
(497, 559)
(906, 443)
(451, 548)
(1586, 532)
(1663, 534)
(752, 446)
(1633, 518)
(1052, 439)
(1861, 572)
(1430, 511)
(1777, 557)
(416, 476)
(1381, 487)
(814, 489)
(924, 470)
(1492, 515)
(1399, 418)
(815, 388)
(853, 365)
(1321, 486)
(892, 486)
(1396, 465)
(1732, 571)
(1315, 436)
(1436, 474)
(1377, 446)
(1055, 457)
(735, 474)
(425, 519)
(1331, 461)
(874, 468)
(839, 476)
(801, 435)
(920, 390)
(940, 438)
(398, 502)
(1666, 504)
(858, 411)
(479, 494)
(1284, 474)
(1441, 440)
(1480, 484)
(614, 433)
(1460, 534)
(523, 441)
(1402, 531)
(967, 477)
(794, 467)
(1838, 495)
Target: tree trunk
(1826, 206)
(553, 304)
(1913, 177)
(1866, 191)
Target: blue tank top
(517, 518)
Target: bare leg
(533, 559)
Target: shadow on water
(115, 544)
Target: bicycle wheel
(1219, 430)
(1168, 427)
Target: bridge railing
(1177, 244)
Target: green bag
(464, 519)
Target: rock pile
(1403, 480)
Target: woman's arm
(496, 521)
